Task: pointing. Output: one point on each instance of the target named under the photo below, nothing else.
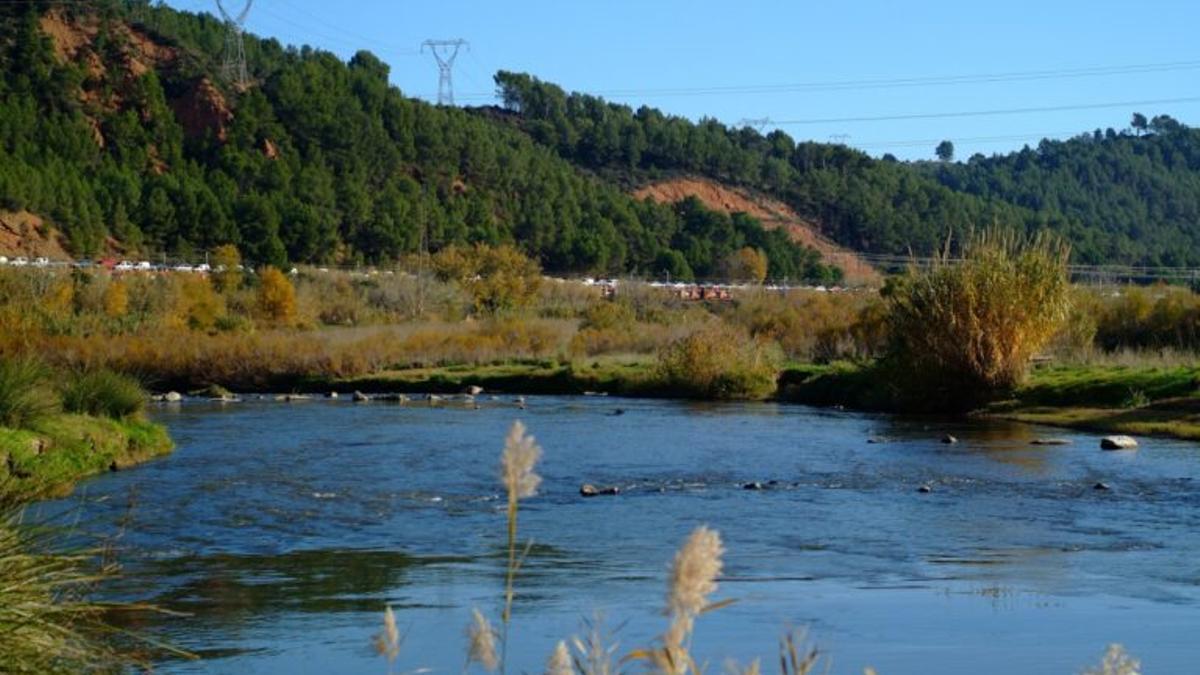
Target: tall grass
(103, 393)
(965, 329)
(47, 624)
(26, 397)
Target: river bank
(1150, 400)
(1140, 400)
(62, 451)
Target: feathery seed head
(694, 574)
(560, 661)
(481, 646)
(521, 453)
(387, 642)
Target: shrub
(103, 393)
(25, 394)
(720, 361)
(964, 331)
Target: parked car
(203, 268)
(124, 266)
(20, 261)
(144, 266)
(41, 262)
(184, 268)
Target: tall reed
(965, 329)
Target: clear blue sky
(648, 48)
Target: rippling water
(283, 530)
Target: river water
(282, 530)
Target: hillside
(772, 213)
(113, 129)
(115, 134)
(1129, 196)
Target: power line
(988, 113)
(904, 82)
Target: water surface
(284, 529)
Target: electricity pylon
(233, 68)
(444, 52)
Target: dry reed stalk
(481, 643)
(517, 461)
(387, 641)
(1116, 661)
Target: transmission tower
(233, 68)
(756, 123)
(444, 52)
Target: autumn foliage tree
(499, 278)
(747, 265)
(276, 296)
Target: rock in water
(474, 390)
(332, 394)
(1050, 441)
(589, 490)
(925, 489)
(949, 440)
(754, 485)
(360, 397)
(1118, 443)
(1101, 486)
(172, 397)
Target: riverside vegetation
(57, 427)
(950, 338)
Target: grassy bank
(1159, 401)
(52, 458)
(632, 376)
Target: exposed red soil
(24, 234)
(203, 109)
(772, 213)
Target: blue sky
(662, 53)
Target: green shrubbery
(722, 362)
(103, 393)
(26, 397)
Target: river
(283, 529)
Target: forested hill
(1130, 196)
(114, 128)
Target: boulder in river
(172, 397)
(473, 390)
(925, 489)
(753, 485)
(1118, 443)
(360, 397)
(589, 490)
(1050, 441)
(332, 394)
(949, 440)
(1101, 486)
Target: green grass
(1106, 386)
(103, 393)
(26, 397)
(630, 376)
(62, 450)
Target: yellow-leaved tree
(499, 278)
(276, 296)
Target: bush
(25, 394)
(963, 332)
(720, 361)
(103, 393)
(276, 297)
